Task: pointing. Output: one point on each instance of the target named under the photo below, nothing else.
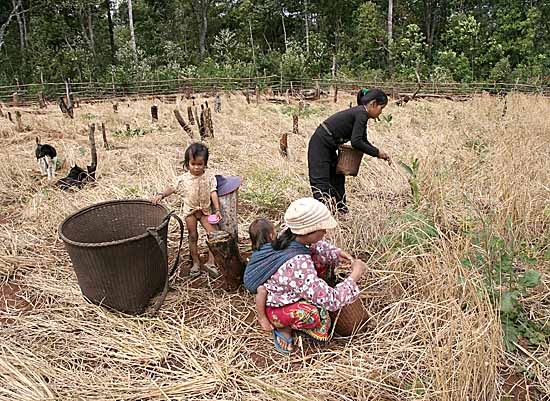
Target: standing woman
(346, 125)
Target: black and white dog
(46, 156)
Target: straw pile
(433, 335)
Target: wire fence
(31, 93)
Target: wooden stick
(183, 124)
(335, 94)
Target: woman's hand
(345, 257)
(358, 268)
(383, 155)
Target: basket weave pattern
(349, 160)
(116, 261)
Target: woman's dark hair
(260, 231)
(283, 240)
(194, 151)
(365, 96)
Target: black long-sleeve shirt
(351, 124)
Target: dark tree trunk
(111, 31)
(228, 259)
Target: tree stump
(104, 136)
(217, 104)
(16, 99)
(335, 94)
(41, 100)
(154, 113)
(257, 90)
(183, 124)
(9, 117)
(93, 149)
(317, 90)
(208, 121)
(63, 105)
(228, 209)
(202, 127)
(115, 107)
(247, 96)
(227, 257)
(18, 122)
(190, 115)
(196, 113)
(283, 145)
(295, 124)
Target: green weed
(412, 169)
(506, 286)
(307, 111)
(130, 132)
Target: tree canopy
(442, 40)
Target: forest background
(129, 40)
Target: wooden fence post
(154, 113)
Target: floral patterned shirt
(297, 279)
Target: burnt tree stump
(18, 122)
(9, 116)
(335, 94)
(227, 257)
(41, 100)
(104, 136)
(154, 113)
(93, 149)
(295, 124)
(182, 123)
(115, 107)
(247, 96)
(202, 127)
(257, 90)
(283, 145)
(190, 115)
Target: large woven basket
(349, 160)
(119, 252)
(351, 318)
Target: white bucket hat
(306, 215)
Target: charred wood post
(41, 100)
(115, 107)
(62, 105)
(190, 115)
(154, 113)
(208, 121)
(202, 127)
(283, 145)
(183, 124)
(247, 94)
(295, 124)
(217, 104)
(69, 96)
(104, 136)
(227, 257)
(93, 149)
(335, 94)
(9, 117)
(18, 122)
(257, 90)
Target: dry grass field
(452, 250)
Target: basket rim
(102, 205)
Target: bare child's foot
(195, 270)
(211, 269)
(265, 324)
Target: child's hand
(219, 214)
(156, 198)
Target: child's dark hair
(365, 96)
(283, 240)
(260, 231)
(194, 151)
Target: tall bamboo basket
(349, 160)
(119, 252)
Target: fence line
(29, 93)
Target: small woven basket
(351, 318)
(349, 160)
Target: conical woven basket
(349, 160)
(351, 318)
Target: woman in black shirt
(346, 125)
